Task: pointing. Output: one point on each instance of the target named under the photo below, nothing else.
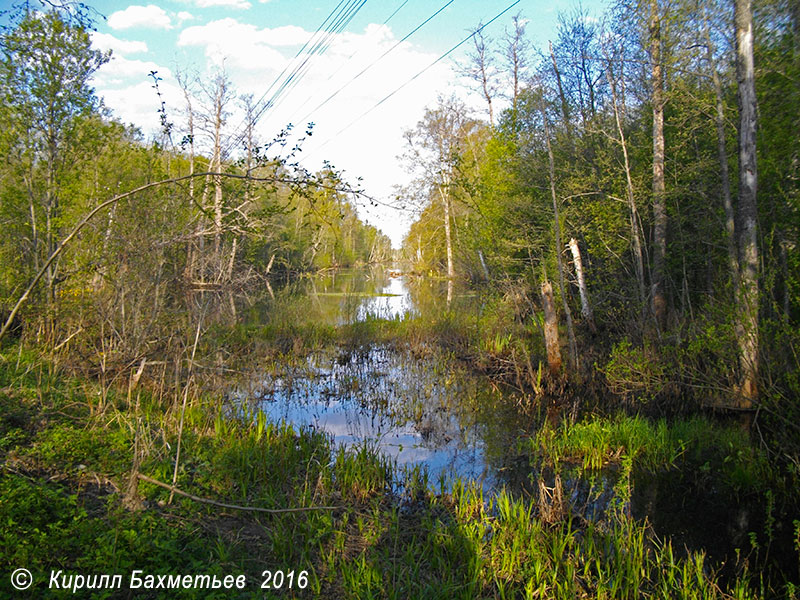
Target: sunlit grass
(392, 535)
(655, 445)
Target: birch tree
(658, 297)
(748, 297)
(434, 150)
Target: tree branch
(271, 511)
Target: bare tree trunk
(748, 300)
(232, 260)
(269, 264)
(638, 261)
(658, 298)
(216, 168)
(482, 61)
(516, 57)
(551, 329)
(32, 211)
(573, 345)
(445, 196)
(586, 306)
(219, 98)
(722, 156)
(98, 278)
(483, 265)
(251, 123)
(51, 217)
(450, 286)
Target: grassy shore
(67, 457)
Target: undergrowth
(66, 463)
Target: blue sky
(253, 40)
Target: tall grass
(655, 445)
(378, 544)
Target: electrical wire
(450, 51)
(299, 52)
(319, 41)
(397, 10)
(374, 62)
(341, 66)
(304, 67)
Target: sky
(255, 40)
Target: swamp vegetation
(577, 379)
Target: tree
(635, 227)
(722, 155)
(577, 50)
(748, 300)
(435, 148)
(219, 95)
(573, 346)
(481, 69)
(658, 297)
(46, 67)
(516, 58)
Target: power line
(321, 48)
(341, 66)
(322, 44)
(319, 41)
(450, 51)
(397, 10)
(374, 62)
(299, 52)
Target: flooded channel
(425, 411)
(421, 410)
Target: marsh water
(421, 409)
(426, 411)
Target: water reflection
(420, 411)
(350, 295)
(393, 301)
(416, 412)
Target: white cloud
(288, 35)
(363, 144)
(122, 70)
(358, 136)
(106, 41)
(184, 16)
(138, 103)
(128, 91)
(241, 4)
(241, 45)
(150, 16)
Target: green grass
(656, 445)
(66, 464)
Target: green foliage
(391, 537)
(634, 372)
(122, 294)
(598, 108)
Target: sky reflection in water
(411, 411)
(419, 411)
